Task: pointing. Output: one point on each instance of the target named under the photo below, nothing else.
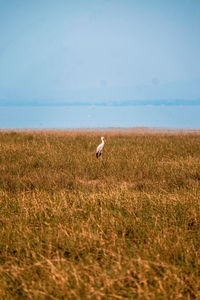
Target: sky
(99, 50)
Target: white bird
(100, 148)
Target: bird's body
(100, 148)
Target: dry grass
(73, 227)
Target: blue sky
(105, 50)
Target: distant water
(61, 117)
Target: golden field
(74, 227)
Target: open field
(74, 227)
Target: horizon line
(39, 103)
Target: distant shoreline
(35, 103)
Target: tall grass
(74, 227)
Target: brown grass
(73, 227)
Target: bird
(100, 148)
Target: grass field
(74, 227)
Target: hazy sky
(99, 49)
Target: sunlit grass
(75, 227)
